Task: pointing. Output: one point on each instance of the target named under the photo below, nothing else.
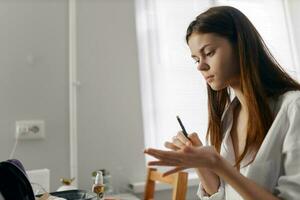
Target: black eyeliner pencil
(182, 127)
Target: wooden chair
(177, 180)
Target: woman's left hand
(188, 157)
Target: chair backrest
(178, 181)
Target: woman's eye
(210, 53)
(196, 61)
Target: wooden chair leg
(178, 182)
(150, 186)
(180, 189)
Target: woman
(254, 150)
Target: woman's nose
(202, 66)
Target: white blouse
(277, 163)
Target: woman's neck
(241, 97)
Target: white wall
(37, 90)
(109, 103)
(110, 133)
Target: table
(123, 196)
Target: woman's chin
(216, 87)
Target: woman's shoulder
(290, 96)
(288, 99)
(289, 113)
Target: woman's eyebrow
(201, 50)
(203, 47)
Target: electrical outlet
(30, 129)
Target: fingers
(175, 145)
(162, 163)
(165, 158)
(195, 139)
(181, 137)
(171, 146)
(162, 155)
(189, 143)
(172, 171)
(178, 142)
(190, 157)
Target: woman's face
(216, 60)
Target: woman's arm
(247, 188)
(208, 157)
(210, 182)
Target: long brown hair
(261, 76)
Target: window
(271, 19)
(170, 82)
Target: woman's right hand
(178, 143)
(210, 181)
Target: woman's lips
(209, 78)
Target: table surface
(123, 196)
